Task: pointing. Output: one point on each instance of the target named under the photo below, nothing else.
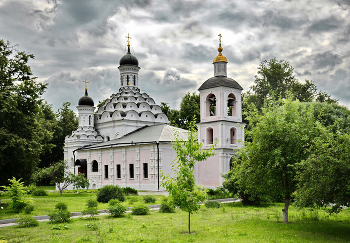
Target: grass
(76, 202)
(231, 223)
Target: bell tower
(220, 119)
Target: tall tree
(21, 134)
(182, 188)
(279, 138)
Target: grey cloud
(324, 25)
(326, 60)
(198, 53)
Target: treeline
(31, 133)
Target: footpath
(11, 222)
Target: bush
(27, 222)
(18, 206)
(60, 216)
(91, 208)
(30, 189)
(29, 208)
(130, 191)
(61, 206)
(116, 209)
(109, 192)
(149, 199)
(212, 204)
(166, 207)
(39, 192)
(133, 199)
(140, 210)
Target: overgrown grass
(231, 223)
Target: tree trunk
(189, 222)
(285, 210)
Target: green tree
(172, 114)
(57, 173)
(183, 191)
(22, 137)
(279, 139)
(275, 80)
(323, 178)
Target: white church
(127, 141)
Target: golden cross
(86, 82)
(220, 37)
(128, 39)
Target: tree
(323, 178)
(57, 173)
(275, 79)
(22, 137)
(183, 191)
(279, 139)
(172, 114)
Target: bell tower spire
(220, 62)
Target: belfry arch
(211, 105)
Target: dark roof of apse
(86, 100)
(220, 81)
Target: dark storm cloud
(198, 53)
(326, 60)
(325, 25)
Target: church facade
(127, 141)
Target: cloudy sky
(176, 41)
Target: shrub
(149, 199)
(30, 189)
(116, 209)
(140, 210)
(109, 192)
(91, 208)
(130, 191)
(61, 206)
(29, 208)
(166, 207)
(18, 206)
(27, 222)
(39, 192)
(60, 216)
(212, 204)
(17, 192)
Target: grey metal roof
(220, 81)
(146, 134)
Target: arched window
(121, 82)
(210, 135)
(89, 120)
(231, 108)
(211, 105)
(94, 166)
(233, 135)
(134, 80)
(108, 138)
(127, 79)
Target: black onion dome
(86, 100)
(220, 81)
(128, 59)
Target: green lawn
(232, 223)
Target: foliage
(61, 214)
(28, 208)
(133, 199)
(130, 191)
(109, 192)
(116, 209)
(212, 204)
(23, 137)
(219, 192)
(40, 192)
(27, 222)
(324, 176)
(166, 206)
(57, 173)
(189, 110)
(61, 206)
(275, 80)
(91, 208)
(30, 189)
(280, 138)
(16, 191)
(140, 209)
(80, 181)
(183, 191)
(149, 199)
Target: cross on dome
(86, 82)
(128, 37)
(220, 38)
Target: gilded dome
(220, 57)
